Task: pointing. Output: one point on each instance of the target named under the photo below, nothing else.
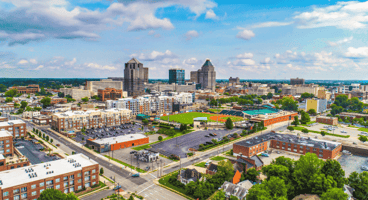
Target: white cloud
(270, 24)
(151, 32)
(33, 61)
(72, 62)
(359, 52)
(99, 67)
(244, 62)
(39, 67)
(21, 62)
(191, 34)
(339, 42)
(211, 15)
(245, 55)
(166, 57)
(191, 61)
(343, 15)
(245, 34)
(291, 67)
(266, 60)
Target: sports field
(187, 118)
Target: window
(314, 149)
(301, 147)
(283, 143)
(16, 191)
(79, 187)
(41, 191)
(87, 185)
(23, 189)
(93, 171)
(93, 183)
(16, 197)
(65, 178)
(321, 155)
(8, 145)
(24, 195)
(294, 150)
(34, 193)
(33, 186)
(289, 149)
(289, 145)
(79, 180)
(57, 187)
(65, 191)
(79, 174)
(57, 180)
(87, 173)
(283, 147)
(5, 194)
(71, 182)
(307, 148)
(42, 184)
(7, 141)
(8, 150)
(72, 176)
(321, 150)
(49, 182)
(87, 178)
(65, 184)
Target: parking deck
(180, 145)
(32, 151)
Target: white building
(31, 114)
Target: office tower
(177, 76)
(297, 81)
(206, 76)
(134, 77)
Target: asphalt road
(99, 195)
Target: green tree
(9, 99)
(28, 108)
(304, 130)
(11, 93)
(360, 184)
(289, 104)
(85, 99)
(46, 102)
(333, 194)
(233, 198)
(258, 192)
(270, 189)
(220, 195)
(305, 117)
(276, 171)
(290, 128)
(312, 111)
(251, 174)
(51, 140)
(131, 197)
(101, 170)
(333, 168)
(38, 108)
(306, 95)
(229, 123)
(160, 138)
(2, 88)
(363, 138)
(269, 95)
(53, 194)
(47, 138)
(23, 104)
(320, 183)
(296, 121)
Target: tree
(61, 94)
(360, 183)
(220, 195)
(320, 183)
(290, 128)
(51, 140)
(363, 138)
(269, 95)
(304, 130)
(305, 117)
(289, 104)
(323, 133)
(251, 174)
(101, 170)
(85, 99)
(233, 198)
(296, 121)
(56, 195)
(46, 102)
(258, 192)
(312, 111)
(28, 108)
(38, 108)
(131, 197)
(306, 95)
(2, 88)
(333, 168)
(270, 189)
(333, 194)
(276, 171)
(11, 93)
(160, 138)
(229, 123)
(9, 99)
(47, 138)
(145, 121)
(23, 104)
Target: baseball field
(187, 118)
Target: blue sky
(246, 39)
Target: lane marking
(146, 188)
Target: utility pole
(131, 161)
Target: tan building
(76, 120)
(76, 93)
(327, 120)
(94, 86)
(67, 175)
(7, 107)
(324, 94)
(16, 127)
(27, 89)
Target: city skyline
(314, 40)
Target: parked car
(117, 187)
(265, 154)
(364, 167)
(343, 132)
(207, 136)
(133, 152)
(135, 175)
(58, 145)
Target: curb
(84, 195)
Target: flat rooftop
(306, 141)
(14, 177)
(88, 112)
(10, 122)
(5, 134)
(119, 139)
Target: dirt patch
(219, 117)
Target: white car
(343, 131)
(364, 167)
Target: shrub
(290, 128)
(304, 130)
(160, 138)
(323, 133)
(363, 138)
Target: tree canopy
(11, 93)
(53, 194)
(289, 104)
(229, 123)
(304, 118)
(46, 102)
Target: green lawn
(201, 164)
(126, 164)
(165, 181)
(146, 146)
(218, 158)
(215, 110)
(363, 129)
(187, 118)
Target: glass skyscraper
(177, 76)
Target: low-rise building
(111, 94)
(273, 118)
(16, 127)
(31, 114)
(7, 107)
(3, 119)
(211, 169)
(67, 175)
(58, 101)
(10, 157)
(42, 120)
(327, 120)
(94, 86)
(76, 120)
(322, 148)
(76, 93)
(246, 163)
(27, 89)
(186, 176)
(146, 156)
(6, 143)
(116, 143)
(231, 189)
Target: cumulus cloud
(99, 67)
(340, 42)
(359, 52)
(211, 15)
(72, 62)
(33, 61)
(343, 15)
(291, 67)
(266, 60)
(21, 62)
(245, 34)
(245, 55)
(191, 34)
(39, 67)
(166, 56)
(33, 20)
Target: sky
(246, 39)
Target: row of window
(301, 147)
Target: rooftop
(322, 144)
(11, 122)
(119, 139)
(23, 175)
(88, 112)
(5, 134)
(134, 60)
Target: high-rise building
(206, 76)
(134, 77)
(177, 76)
(234, 80)
(297, 81)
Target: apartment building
(7, 107)
(260, 90)
(111, 94)
(3, 119)
(76, 120)
(10, 157)
(95, 86)
(27, 89)
(322, 148)
(42, 120)
(273, 118)
(6, 143)
(58, 100)
(30, 114)
(16, 127)
(297, 81)
(319, 105)
(67, 175)
(327, 120)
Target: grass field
(363, 129)
(187, 118)
(201, 164)
(218, 158)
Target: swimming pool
(260, 111)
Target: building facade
(297, 81)
(58, 101)
(327, 120)
(76, 93)
(110, 94)
(16, 127)
(67, 175)
(42, 120)
(234, 81)
(95, 86)
(27, 89)
(31, 114)
(319, 105)
(134, 77)
(7, 107)
(206, 76)
(177, 76)
(92, 118)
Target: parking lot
(32, 151)
(180, 145)
(352, 163)
(111, 131)
(354, 133)
(274, 155)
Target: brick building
(27, 89)
(76, 120)
(301, 145)
(245, 163)
(10, 157)
(116, 143)
(274, 118)
(42, 120)
(3, 119)
(7, 107)
(16, 127)
(58, 101)
(327, 120)
(67, 175)
(6, 143)
(110, 94)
